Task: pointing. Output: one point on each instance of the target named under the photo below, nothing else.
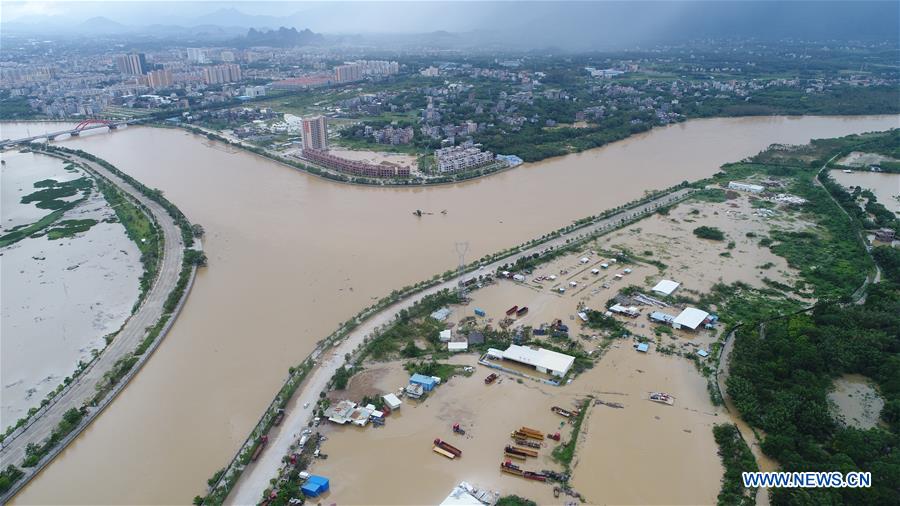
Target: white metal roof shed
(690, 318)
(392, 400)
(666, 287)
(551, 361)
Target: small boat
(522, 310)
(562, 412)
(513, 456)
(512, 310)
(662, 398)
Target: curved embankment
(255, 477)
(83, 389)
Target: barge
(447, 447)
(441, 451)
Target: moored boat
(662, 398)
(562, 412)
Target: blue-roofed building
(427, 382)
(642, 347)
(660, 317)
(315, 485)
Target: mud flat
(59, 297)
(856, 402)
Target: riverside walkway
(84, 387)
(255, 478)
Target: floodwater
(886, 187)
(292, 255)
(856, 402)
(59, 297)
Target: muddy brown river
(291, 256)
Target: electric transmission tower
(461, 249)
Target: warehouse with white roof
(690, 319)
(545, 361)
(666, 287)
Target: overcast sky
(573, 24)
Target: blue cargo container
(479, 312)
(427, 382)
(315, 485)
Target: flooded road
(291, 256)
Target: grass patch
(736, 459)
(565, 452)
(68, 228)
(711, 233)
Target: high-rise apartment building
(160, 78)
(197, 55)
(315, 133)
(133, 64)
(348, 73)
(218, 74)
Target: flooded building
(690, 319)
(666, 287)
(544, 361)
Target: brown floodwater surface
(292, 255)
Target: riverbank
(95, 387)
(343, 178)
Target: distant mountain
(100, 24)
(233, 17)
(282, 37)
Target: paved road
(132, 333)
(255, 479)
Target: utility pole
(461, 249)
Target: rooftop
(691, 318)
(539, 357)
(666, 287)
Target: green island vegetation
(48, 196)
(711, 233)
(736, 459)
(564, 453)
(514, 500)
(68, 228)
